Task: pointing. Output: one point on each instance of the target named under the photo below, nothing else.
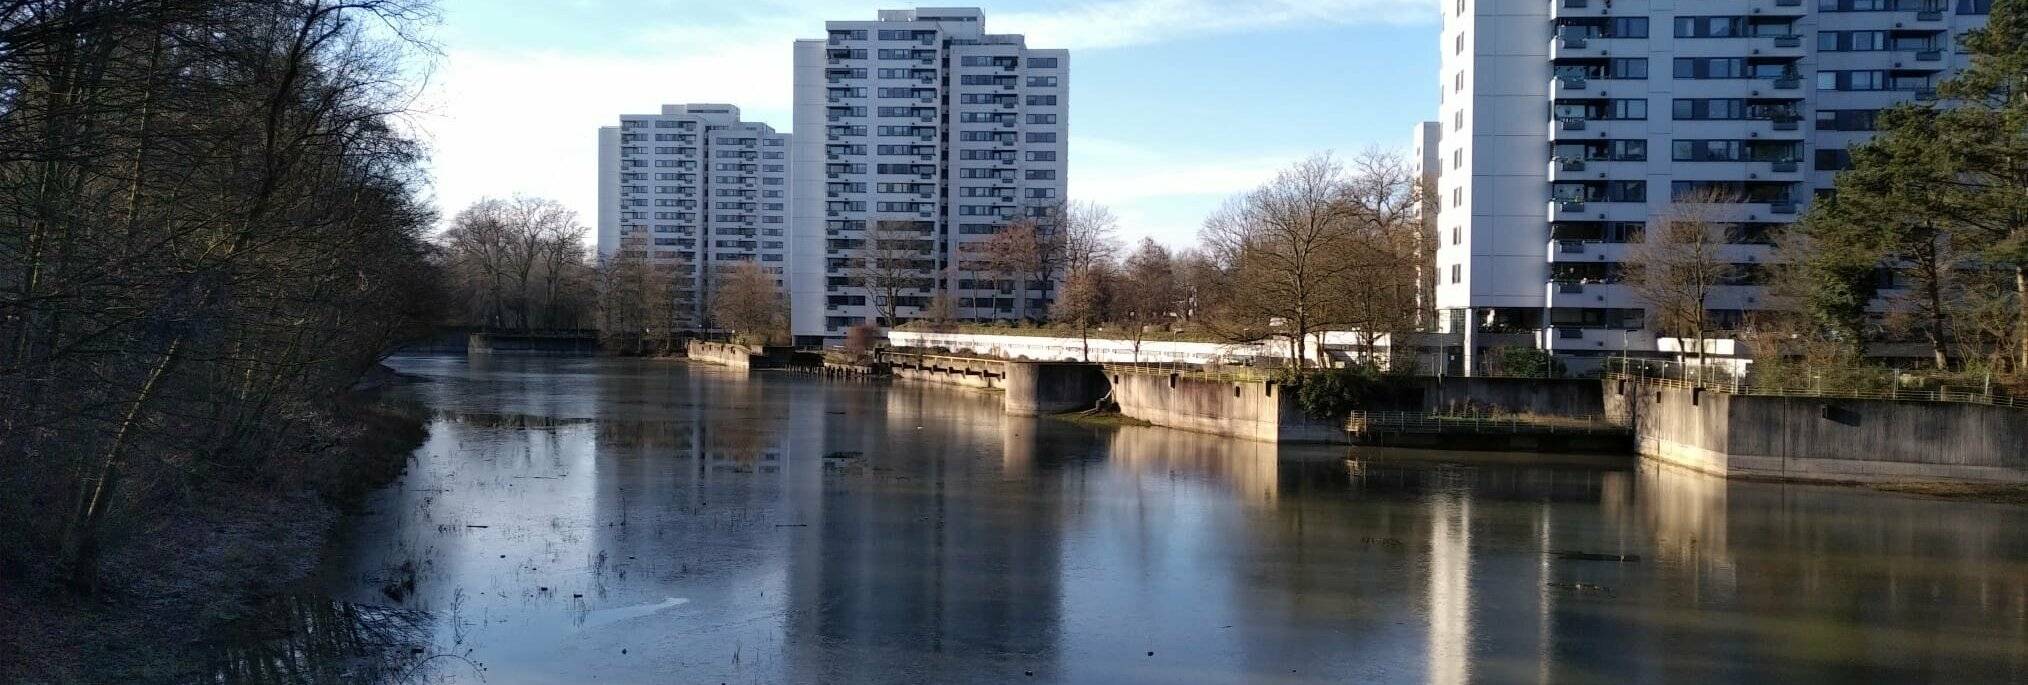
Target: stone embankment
(1823, 438)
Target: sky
(1175, 105)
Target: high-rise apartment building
(918, 136)
(1573, 126)
(697, 192)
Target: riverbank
(208, 559)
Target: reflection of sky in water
(633, 521)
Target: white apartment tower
(1570, 125)
(695, 191)
(918, 134)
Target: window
(1460, 49)
(1709, 108)
(1458, 82)
(1854, 5)
(1046, 155)
(1458, 197)
(1975, 6)
(1621, 150)
(1035, 137)
(1845, 119)
(1616, 68)
(1710, 67)
(1041, 174)
(1461, 8)
(1458, 120)
(1851, 41)
(1630, 109)
(1050, 82)
(1710, 27)
(1833, 160)
(1042, 118)
(1042, 62)
(1706, 150)
(1457, 273)
(1458, 158)
(1602, 27)
(1457, 235)
(1852, 80)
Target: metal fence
(1881, 384)
(1223, 374)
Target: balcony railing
(1570, 124)
(1788, 41)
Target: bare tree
(1312, 250)
(521, 262)
(638, 308)
(1677, 266)
(895, 265)
(750, 304)
(1147, 291)
(212, 230)
(1086, 301)
(1024, 254)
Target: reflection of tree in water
(312, 641)
(513, 421)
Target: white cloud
(528, 122)
(503, 122)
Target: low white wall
(1329, 348)
(1104, 350)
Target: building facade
(1572, 126)
(696, 192)
(918, 136)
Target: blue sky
(1175, 104)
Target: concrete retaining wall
(984, 374)
(1053, 387)
(1542, 396)
(739, 356)
(1254, 410)
(1805, 438)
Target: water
(578, 520)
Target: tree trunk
(2021, 322)
(83, 548)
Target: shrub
(1331, 394)
(1528, 362)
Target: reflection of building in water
(1450, 589)
(1684, 511)
(925, 563)
(1248, 468)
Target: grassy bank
(1102, 418)
(218, 555)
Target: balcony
(1575, 251)
(1562, 210)
(1572, 339)
(1578, 8)
(1592, 294)
(1779, 46)
(1562, 88)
